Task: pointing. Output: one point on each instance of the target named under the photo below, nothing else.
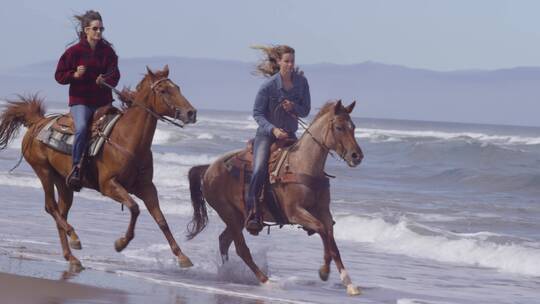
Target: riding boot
(74, 179)
(253, 222)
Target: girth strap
(313, 182)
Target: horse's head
(340, 133)
(168, 99)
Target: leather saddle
(243, 160)
(64, 124)
(240, 166)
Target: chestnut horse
(123, 167)
(331, 129)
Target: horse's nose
(357, 157)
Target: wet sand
(28, 290)
(25, 280)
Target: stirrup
(73, 180)
(253, 223)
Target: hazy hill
(509, 96)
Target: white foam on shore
(7, 179)
(186, 160)
(247, 124)
(399, 239)
(389, 135)
(210, 289)
(205, 136)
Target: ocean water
(436, 213)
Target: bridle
(175, 109)
(146, 108)
(322, 144)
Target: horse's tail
(27, 111)
(200, 216)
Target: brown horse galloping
(332, 129)
(124, 166)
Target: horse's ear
(350, 107)
(338, 107)
(166, 70)
(150, 73)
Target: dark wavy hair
(82, 21)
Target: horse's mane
(128, 94)
(329, 105)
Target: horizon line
(366, 62)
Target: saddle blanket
(63, 142)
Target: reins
(306, 126)
(147, 109)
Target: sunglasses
(96, 28)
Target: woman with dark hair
(280, 99)
(85, 66)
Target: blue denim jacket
(267, 112)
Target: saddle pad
(64, 142)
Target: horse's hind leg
(65, 200)
(114, 190)
(236, 226)
(149, 196)
(225, 240)
(46, 177)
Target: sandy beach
(15, 289)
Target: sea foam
(400, 239)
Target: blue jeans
(81, 119)
(261, 153)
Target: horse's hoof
(353, 290)
(263, 279)
(324, 273)
(75, 244)
(120, 244)
(75, 266)
(184, 262)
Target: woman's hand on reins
(288, 105)
(279, 133)
(100, 79)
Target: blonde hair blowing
(269, 66)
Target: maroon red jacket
(102, 60)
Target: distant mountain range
(506, 96)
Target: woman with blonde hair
(280, 99)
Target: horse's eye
(163, 91)
(339, 128)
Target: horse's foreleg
(334, 253)
(324, 271)
(325, 230)
(118, 193)
(149, 195)
(307, 220)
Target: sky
(435, 34)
